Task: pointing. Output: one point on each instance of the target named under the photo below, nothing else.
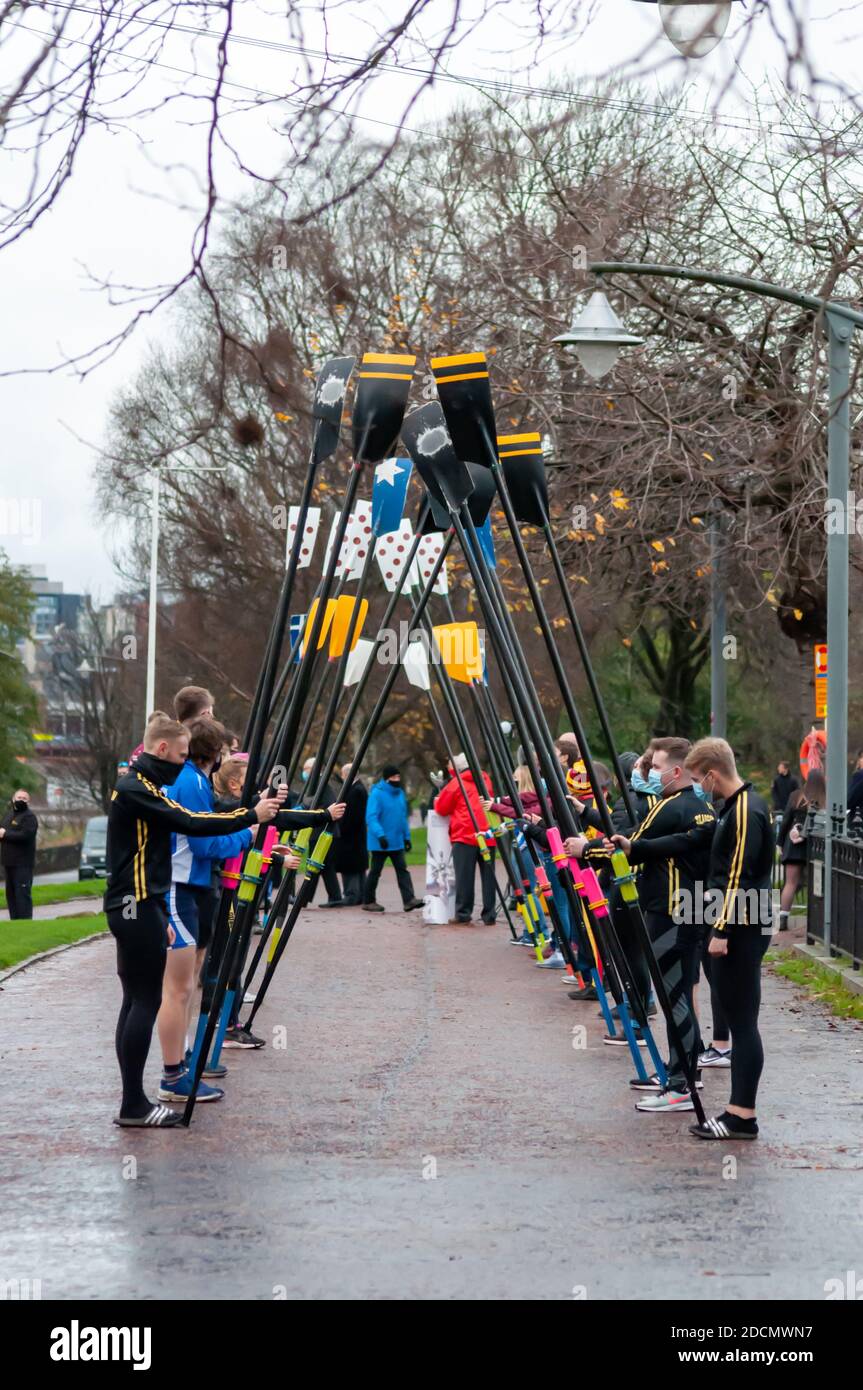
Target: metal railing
(846, 936)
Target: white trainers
(554, 962)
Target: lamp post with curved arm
(840, 322)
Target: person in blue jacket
(388, 836)
(191, 907)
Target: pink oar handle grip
(271, 835)
(560, 856)
(596, 899)
(231, 871)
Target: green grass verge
(46, 893)
(819, 983)
(417, 855)
(20, 940)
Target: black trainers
(724, 1127)
(414, 903)
(372, 907)
(241, 1037)
(584, 995)
(157, 1117)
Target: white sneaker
(249, 998)
(554, 962)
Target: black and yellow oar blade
(382, 394)
(521, 459)
(465, 394)
(427, 440)
(328, 404)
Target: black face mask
(20, 806)
(159, 770)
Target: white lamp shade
(695, 27)
(597, 358)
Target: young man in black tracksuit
(672, 848)
(141, 819)
(741, 921)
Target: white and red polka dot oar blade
(430, 548)
(391, 553)
(358, 538)
(310, 534)
(355, 545)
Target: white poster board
(439, 904)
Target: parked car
(93, 849)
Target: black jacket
(741, 862)
(349, 853)
(784, 783)
(672, 846)
(855, 792)
(18, 846)
(141, 818)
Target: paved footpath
(427, 1131)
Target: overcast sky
(122, 218)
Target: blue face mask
(305, 775)
(699, 791)
(651, 787)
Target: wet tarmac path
(428, 1130)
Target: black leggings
(737, 980)
(142, 946)
(717, 1013)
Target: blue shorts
(190, 913)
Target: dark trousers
(354, 887)
(331, 883)
(397, 858)
(738, 983)
(19, 894)
(675, 964)
(465, 859)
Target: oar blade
(328, 404)
(427, 440)
(521, 459)
(464, 391)
(382, 395)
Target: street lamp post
(155, 498)
(718, 680)
(840, 320)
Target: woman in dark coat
(791, 839)
(350, 857)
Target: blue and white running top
(192, 856)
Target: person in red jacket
(453, 802)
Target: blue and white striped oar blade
(389, 491)
(298, 622)
(416, 665)
(358, 660)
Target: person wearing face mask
(328, 874)
(672, 845)
(741, 925)
(387, 837)
(142, 818)
(18, 830)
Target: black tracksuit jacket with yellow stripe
(672, 846)
(141, 818)
(741, 862)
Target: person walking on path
(350, 856)
(784, 783)
(387, 837)
(18, 830)
(141, 820)
(453, 802)
(791, 840)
